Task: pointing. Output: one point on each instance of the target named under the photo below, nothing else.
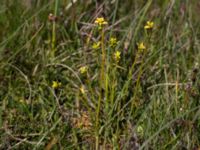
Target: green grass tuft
(70, 82)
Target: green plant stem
(102, 86)
(53, 42)
(103, 60)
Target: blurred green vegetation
(150, 99)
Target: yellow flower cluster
(101, 21)
(96, 45)
(117, 56)
(56, 84)
(113, 42)
(83, 69)
(141, 46)
(149, 25)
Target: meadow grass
(99, 74)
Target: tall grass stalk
(102, 81)
(53, 38)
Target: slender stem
(102, 86)
(103, 61)
(54, 30)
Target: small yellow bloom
(56, 84)
(149, 25)
(100, 21)
(82, 89)
(113, 42)
(117, 56)
(83, 69)
(22, 100)
(96, 45)
(141, 46)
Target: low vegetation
(99, 74)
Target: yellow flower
(83, 69)
(117, 56)
(149, 25)
(141, 46)
(113, 42)
(82, 89)
(56, 84)
(22, 100)
(96, 45)
(100, 21)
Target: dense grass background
(149, 100)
